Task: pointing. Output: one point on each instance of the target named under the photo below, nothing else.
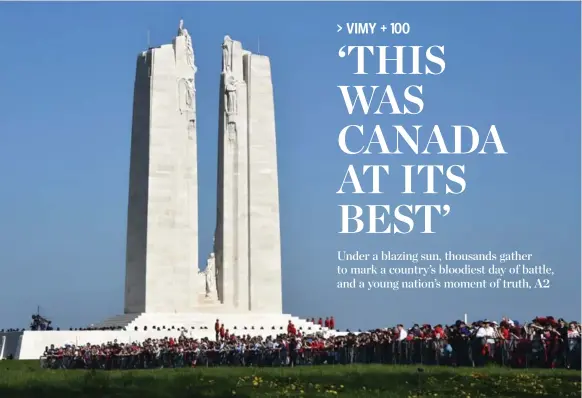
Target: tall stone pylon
(162, 225)
(248, 238)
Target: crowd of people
(543, 342)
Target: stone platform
(31, 344)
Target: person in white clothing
(486, 334)
(402, 333)
(573, 332)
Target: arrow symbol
(339, 28)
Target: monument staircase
(201, 325)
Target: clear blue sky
(66, 81)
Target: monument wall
(136, 247)
(264, 228)
(162, 250)
(232, 214)
(248, 247)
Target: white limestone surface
(248, 242)
(162, 237)
(264, 228)
(232, 240)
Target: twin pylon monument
(243, 273)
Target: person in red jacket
(320, 322)
(332, 323)
(326, 323)
(313, 320)
(290, 328)
(221, 331)
(439, 333)
(504, 331)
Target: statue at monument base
(210, 276)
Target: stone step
(117, 321)
(247, 323)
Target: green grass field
(25, 379)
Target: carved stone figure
(231, 104)
(186, 95)
(190, 93)
(210, 274)
(231, 129)
(189, 52)
(227, 54)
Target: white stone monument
(242, 278)
(166, 293)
